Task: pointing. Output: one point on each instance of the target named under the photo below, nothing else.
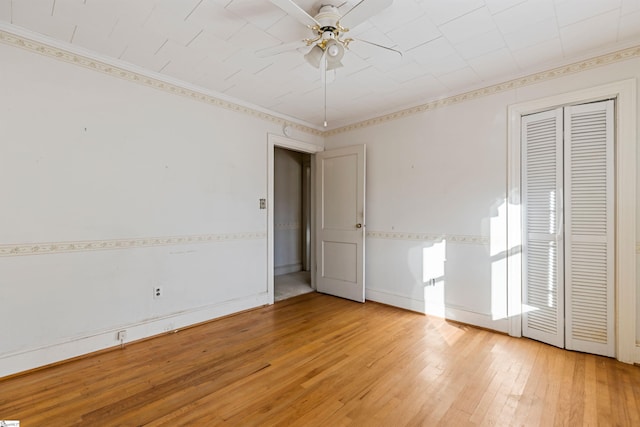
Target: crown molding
(13, 250)
(429, 237)
(575, 67)
(37, 43)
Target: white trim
(395, 300)
(476, 319)
(449, 313)
(625, 267)
(273, 141)
(77, 346)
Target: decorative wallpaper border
(451, 238)
(130, 243)
(13, 250)
(431, 237)
(156, 83)
(588, 64)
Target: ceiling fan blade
(281, 48)
(381, 46)
(362, 11)
(296, 12)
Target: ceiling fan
(329, 26)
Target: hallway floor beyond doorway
(292, 284)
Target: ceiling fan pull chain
(324, 58)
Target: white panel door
(543, 284)
(589, 233)
(340, 180)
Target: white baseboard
(286, 269)
(37, 357)
(395, 300)
(477, 319)
(637, 354)
(450, 313)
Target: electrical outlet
(157, 292)
(122, 335)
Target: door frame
(625, 205)
(280, 141)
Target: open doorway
(291, 223)
(277, 141)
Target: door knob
(358, 225)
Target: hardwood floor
(319, 360)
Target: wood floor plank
(315, 360)
(531, 404)
(590, 415)
(577, 403)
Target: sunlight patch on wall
(503, 251)
(498, 252)
(433, 259)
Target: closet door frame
(624, 93)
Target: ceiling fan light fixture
(335, 51)
(314, 56)
(328, 43)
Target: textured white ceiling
(449, 46)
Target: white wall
(420, 193)
(96, 160)
(436, 187)
(287, 211)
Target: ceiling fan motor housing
(328, 17)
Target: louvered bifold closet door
(543, 292)
(589, 238)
